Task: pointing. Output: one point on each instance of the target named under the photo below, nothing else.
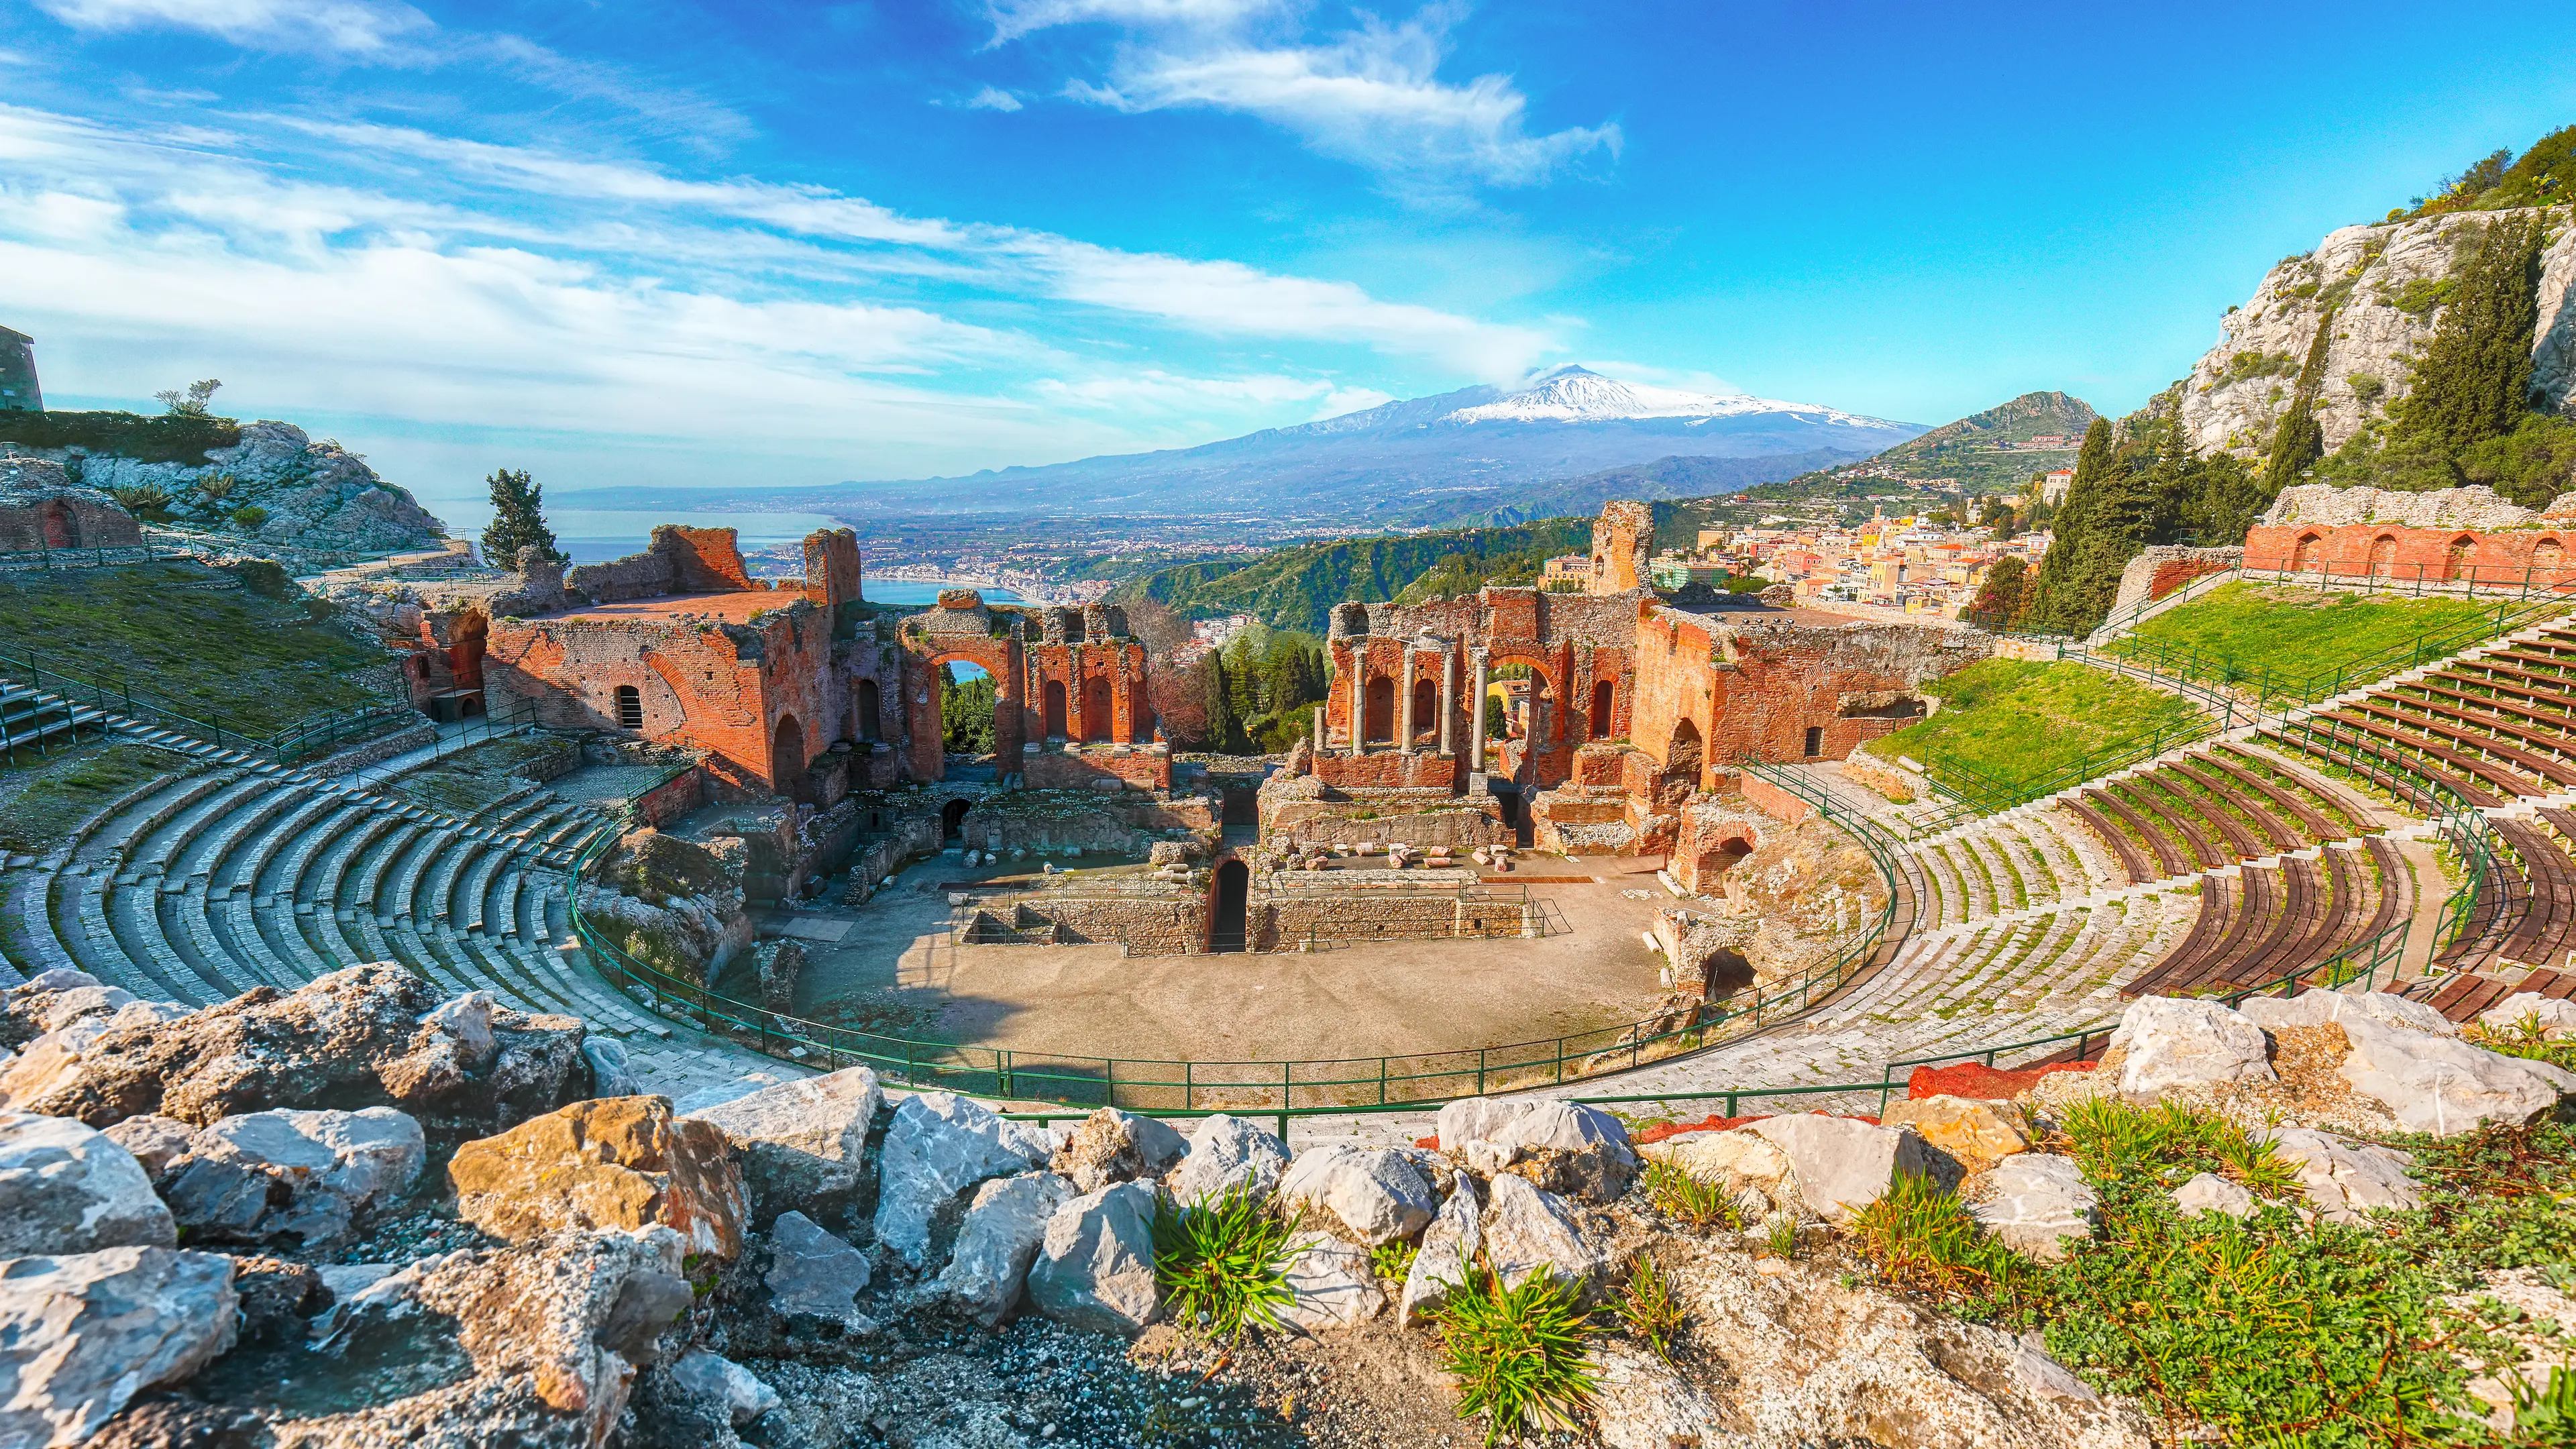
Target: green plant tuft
(1393, 1260)
(1517, 1353)
(1921, 1238)
(1222, 1262)
(1647, 1307)
(1688, 1201)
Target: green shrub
(1920, 1238)
(249, 516)
(1647, 1308)
(1393, 1260)
(127, 435)
(143, 500)
(1517, 1353)
(217, 486)
(2134, 1148)
(2526, 1038)
(1222, 1262)
(1780, 1240)
(1687, 1200)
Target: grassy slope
(191, 636)
(44, 799)
(2296, 632)
(2014, 721)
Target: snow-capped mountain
(1425, 460)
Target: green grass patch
(1517, 1353)
(43, 801)
(2010, 723)
(1222, 1262)
(196, 639)
(2241, 630)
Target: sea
(596, 535)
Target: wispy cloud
(1371, 95)
(992, 99)
(360, 26)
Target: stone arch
(1053, 695)
(1719, 857)
(952, 819)
(1099, 719)
(2383, 555)
(1426, 706)
(1604, 694)
(1684, 754)
(871, 707)
(1543, 699)
(1229, 908)
(1379, 722)
(2303, 555)
(788, 760)
(2547, 557)
(2455, 559)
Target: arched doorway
(2455, 559)
(1426, 707)
(1054, 706)
(1683, 757)
(465, 651)
(1380, 724)
(1097, 723)
(630, 707)
(1233, 892)
(787, 759)
(952, 820)
(54, 521)
(2383, 555)
(2304, 557)
(2547, 557)
(1717, 862)
(871, 709)
(1602, 695)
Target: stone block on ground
(803, 1143)
(1373, 1195)
(1111, 1146)
(1526, 1229)
(2344, 1179)
(620, 1163)
(1977, 1133)
(83, 1333)
(2443, 1085)
(1095, 1268)
(2317, 1007)
(1000, 1238)
(1226, 1153)
(2174, 1042)
(67, 1189)
(304, 1177)
(1330, 1284)
(2207, 1192)
(2035, 1202)
(1449, 1247)
(719, 1380)
(813, 1273)
(938, 1147)
(1841, 1165)
(2557, 1017)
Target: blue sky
(769, 243)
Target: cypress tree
(1216, 694)
(518, 520)
(2050, 606)
(2473, 381)
(1999, 597)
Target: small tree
(1224, 727)
(518, 520)
(2473, 381)
(193, 402)
(1998, 600)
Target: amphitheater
(2411, 833)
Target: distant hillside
(1989, 452)
(1296, 587)
(1670, 477)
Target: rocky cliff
(2382, 288)
(309, 495)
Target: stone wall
(2538, 555)
(41, 508)
(1098, 769)
(1290, 921)
(2159, 571)
(1773, 801)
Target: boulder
(156, 1142)
(368, 1036)
(2316, 1007)
(2443, 1085)
(610, 1075)
(1330, 1284)
(1757, 1174)
(1641, 1403)
(1977, 1133)
(65, 1188)
(1527, 1229)
(2557, 1017)
(1095, 1268)
(2207, 1192)
(719, 1380)
(781, 964)
(1226, 1153)
(303, 1177)
(814, 1274)
(2035, 1202)
(1001, 1236)
(83, 1333)
(2171, 1042)
(803, 1143)
(1113, 1146)
(939, 1146)
(1373, 1195)
(2345, 1179)
(278, 1299)
(1841, 1165)
(620, 1163)
(1564, 1147)
(1449, 1247)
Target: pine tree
(2473, 381)
(518, 520)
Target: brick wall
(2369, 550)
(1054, 768)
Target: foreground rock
(2034, 1203)
(1004, 1228)
(1527, 1230)
(2442, 1085)
(299, 1176)
(1095, 1267)
(83, 1333)
(1226, 1153)
(364, 1037)
(1372, 1195)
(2169, 1042)
(1977, 1133)
(67, 1189)
(940, 1145)
(813, 1273)
(1564, 1147)
(1330, 1284)
(1113, 1147)
(2345, 1179)
(1840, 1165)
(2317, 1007)
(803, 1144)
(1449, 1248)
(620, 1163)
(2555, 1017)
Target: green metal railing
(1261, 1086)
(318, 734)
(2266, 690)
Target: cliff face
(317, 495)
(2383, 287)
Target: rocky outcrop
(814, 1274)
(1113, 1146)
(1449, 1248)
(1003, 1230)
(81, 1334)
(2344, 1179)
(2167, 1042)
(2381, 286)
(305, 1177)
(622, 1163)
(1527, 1230)
(802, 1144)
(1095, 1267)
(676, 905)
(2474, 507)
(314, 495)
(2035, 1203)
(1370, 1195)
(1564, 1147)
(1330, 1284)
(1978, 1134)
(939, 1146)
(1227, 1153)
(2439, 1084)
(67, 1189)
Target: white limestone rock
(1227, 1153)
(1570, 1148)
(155, 1141)
(1840, 1165)
(1095, 1269)
(67, 1189)
(715, 1379)
(83, 1333)
(1376, 1195)
(1449, 1247)
(803, 1143)
(1000, 1239)
(2443, 1085)
(1528, 1230)
(2207, 1192)
(939, 1146)
(1642, 1403)
(1739, 1159)
(298, 1175)
(2317, 1007)
(1330, 1284)
(2036, 1202)
(2557, 1017)
(1113, 1146)
(610, 1074)
(2344, 1178)
(814, 1274)
(2179, 1042)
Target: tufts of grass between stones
(2273, 1330)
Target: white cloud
(1015, 18)
(344, 25)
(1370, 96)
(992, 99)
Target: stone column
(1448, 704)
(1319, 729)
(1476, 718)
(1359, 694)
(1404, 701)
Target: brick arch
(921, 701)
(788, 759)
(2303, 555)
(2455, 558)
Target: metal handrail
(2268, 690)
(315, 733)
